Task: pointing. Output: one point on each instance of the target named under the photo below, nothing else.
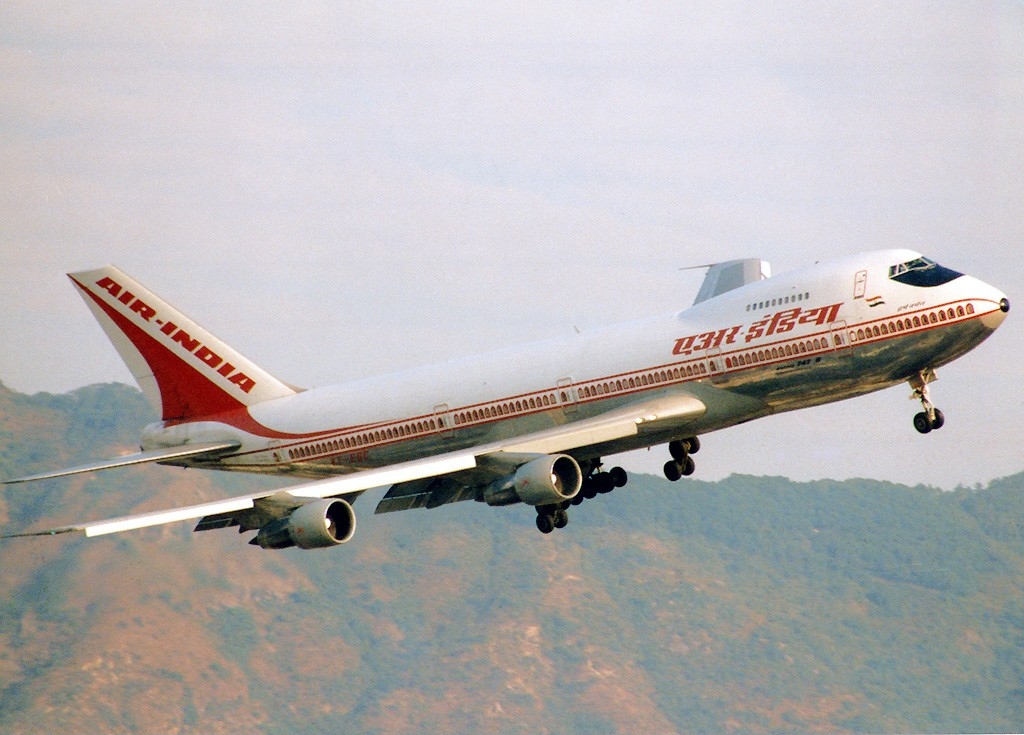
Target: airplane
(529, 424)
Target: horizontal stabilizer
(154, 455)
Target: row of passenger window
(362, 439)
(794, 349)
(916, 322)
(645, 379)
(591, 390)
(507, 408)
(781, 301)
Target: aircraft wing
(267, 506)
(617, 424)
(423, 482)
(501, 458)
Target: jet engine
(546, 480)
(315, 525)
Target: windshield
(923, 272)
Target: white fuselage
(820, 334)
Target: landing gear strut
(931, 417)
(681, 463)
(595, 482)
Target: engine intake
(315, 525)
(542, 481)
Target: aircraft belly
(863, 368)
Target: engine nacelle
(315, 525)
(542, 481)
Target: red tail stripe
(185, 393)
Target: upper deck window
(923, 272)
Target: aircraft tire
(940, 419)
(545, 523)
(693, 445)
(619, 476)
(678, 450)
(688, 466)
(921, 423)
(560, 519)
(673, 471)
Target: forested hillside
(748, 605)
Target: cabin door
(567, 397)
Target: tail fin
(184, 371)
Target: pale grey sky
(340, 189)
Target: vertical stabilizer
(182, 369)
(724, 277)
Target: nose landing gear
(930, 418)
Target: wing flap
(428, 493)
(153, 455)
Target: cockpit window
(923, 272)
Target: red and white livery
(529, 424)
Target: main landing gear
(681, 463)
(595, 482)
(931, 417)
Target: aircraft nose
(994, 318)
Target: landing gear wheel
(545, 523)
(604, 482)
(560, 519)
(931, 417)
(680, 448)
(688, 466)
(619, 476)
(672, 470)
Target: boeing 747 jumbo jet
(529, 424)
